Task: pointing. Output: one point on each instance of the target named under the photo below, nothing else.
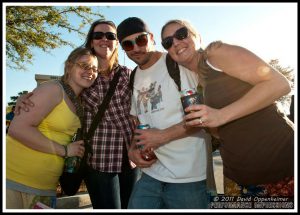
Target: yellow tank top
(37, 169)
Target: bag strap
(173, 70)
(131, 79)
(103, 106)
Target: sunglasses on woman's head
(180, 34)
(140, 40)
(99, 35)
(87, 67)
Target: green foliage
(40, 27)
(14, 98)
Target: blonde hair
(73, 58)
(186, 24)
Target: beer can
(190, 97)
(148, 154)
(72, 164)
(142, 126)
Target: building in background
(41, 78)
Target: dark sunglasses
(180, 34)
(140, 40)
(87, 67)
(99, 35)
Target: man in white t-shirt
(177, 178)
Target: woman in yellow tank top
(37, 141)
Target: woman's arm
(269, 85)
(24, 126)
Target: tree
(40, 27)
(14, 98)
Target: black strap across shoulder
(174, 71)
(103, 106)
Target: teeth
(87, 78)
(103, 46)
(180, 51)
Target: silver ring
(200, 120)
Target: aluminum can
(143, 126)
(190, 97)
(149, 154)
(72, 164)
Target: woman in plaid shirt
(110, 177)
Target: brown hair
(184, 23)
(113, 62)
(72, 58)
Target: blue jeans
(111, 190)
(149, 193)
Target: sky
(267, 29)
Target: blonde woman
(110, 177)
(38, 140)
(240, 91)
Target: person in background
(38, 141)
(111, 175)
(177, 178)
(257, 142)
(9, 117)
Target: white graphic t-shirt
(156, 101)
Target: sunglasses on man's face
(109, 35)
(87, 67)
(180, 34)
(140, 40)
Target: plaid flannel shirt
(115, 130)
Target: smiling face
(104, 47)
(181, 50)
(141, 52)
(82, 73)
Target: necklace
(74, 99)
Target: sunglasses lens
(110, 36)
(127, 45)
(142, 40)
(167, 42)
(98, 35)
(181, 33)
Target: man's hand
(134, 155)
(23, 103)
(150, 138)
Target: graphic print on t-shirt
(149, 99)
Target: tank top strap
(62, 88)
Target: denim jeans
(149, 193)
(111, 190)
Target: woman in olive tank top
(240, 90)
